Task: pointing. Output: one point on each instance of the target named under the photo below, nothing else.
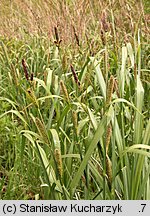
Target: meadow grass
(74, 113)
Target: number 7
(143, 207)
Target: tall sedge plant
(82, 131)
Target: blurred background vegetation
(81, 17)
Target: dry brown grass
(81, 18)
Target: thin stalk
(125, 173)
(113, 160)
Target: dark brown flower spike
(103, 38)
(75, 75)
(57, 41)
(25, 69)
(31, 77)
(76, 36)
(105, 25)
(56, 33)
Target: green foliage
(74, 124)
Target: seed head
(56, 33)
(57, 41)
(75, 76)
(76, 36)
(25, 69)
(110, 89)
(32, 96)
(109, 169)
(31, 77)
(64, 90)
(57, 154)
(108, 136)
(75, 121)
(104, 22)
(41, 128)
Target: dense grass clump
(74, 113)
